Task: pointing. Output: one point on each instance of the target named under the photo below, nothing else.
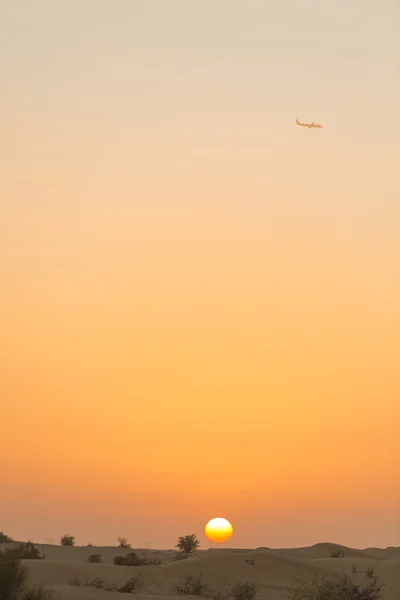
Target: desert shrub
(191, 585)
(188, 543)
(369, 572)
(4, 538)
(13, 582)
(94, 558)
(31, 551)
(354, 569)
(89, 545)
(220, 592)
(67, 540)
(123, 543)
(145, 561)
(244, 590)
(131, 560)
(134, 560)
(337, 588)
(250, 561)
(24, 552)
(337, 554)
(180, 556)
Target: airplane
(309, 125)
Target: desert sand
(273, 569)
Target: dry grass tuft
(13, 581)
(192, 585)
(129, 587)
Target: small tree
(67, 540)
(188, 543)
(123, 543)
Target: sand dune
(273, 569)
(324, 549)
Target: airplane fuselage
(309, 125)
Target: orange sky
(199, 301)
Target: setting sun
(218, 530)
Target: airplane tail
(297, 122)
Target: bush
(4, 538)
(220, 593)
(94, 558)
(24, 552)
(369, 572)
(30, 551)
(244, 591)
(337, 554)
(133, 560)
(149, 562)
(188, 543)
(67, 540)
(13, 581)
(123, 543)
(338, 588)
(191, 585)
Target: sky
(200, 301)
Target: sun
(218, 530)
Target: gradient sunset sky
(200, 301)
